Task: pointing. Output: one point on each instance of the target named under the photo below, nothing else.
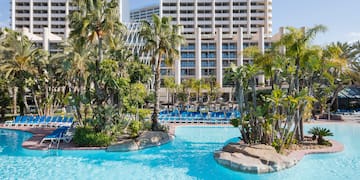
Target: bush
(87, 137)
(277, 144)
(135, 127)
(164, 128)
(147, 125)
(235, 122)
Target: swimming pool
(189, 156)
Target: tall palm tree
(169, 84)
(351, 52)
(238, 74)
(296, 42)
(77, 58)
(96, 20)
(200, 85)
(161, 40)
(17, 62)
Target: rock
(145, 140)
(123, 146)
(152, 138)
(253, 159)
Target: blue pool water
(189, 156)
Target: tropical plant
(296, 43)
(162, 40)
(169, 84)
(321, 133)
(94, 21)
(87, 137)
(5, 98)
(17, 63)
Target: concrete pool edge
(335, 148)
(38, 133)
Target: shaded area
(349, 99)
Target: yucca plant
(320, 133)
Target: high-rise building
(47, 19)
(145, 13)
(216, 33)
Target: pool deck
(299, 154)
(39, 133)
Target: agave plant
(320, 133)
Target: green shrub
(234, 122)
(87, 137)
(135, 127)
(164, 128)
(147, 125)
(277, 144)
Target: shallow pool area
(189, 156)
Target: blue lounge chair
(33, 121)
(42, 121)
(23, 121)
(48, 121)
(13, 122)
(57, 135)
(53, 122)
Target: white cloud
(354, 34)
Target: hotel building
(46, 20)
(145, 13)
(216, 33)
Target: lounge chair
(22, 122)
(42, 121)
(58, 134)
(33, 121)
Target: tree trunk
(22, 100)
(100, 54)
(297, 88)
(154, 116)
(15, 90)
(39, 112)
(254, 92)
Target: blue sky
(341, 17)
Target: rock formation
(145, 140)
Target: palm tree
(77, 56)
(95, 20)
(296, 42)
(17, 63)
(198, 86)
(237, 75)
(354, 62)
(161, 40)
(169, 84)
(320, 133)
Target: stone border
(299, 154)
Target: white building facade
(48, 19)
(216, 33)
(145, 13)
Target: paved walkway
(39, 133)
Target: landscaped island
(262, 158)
